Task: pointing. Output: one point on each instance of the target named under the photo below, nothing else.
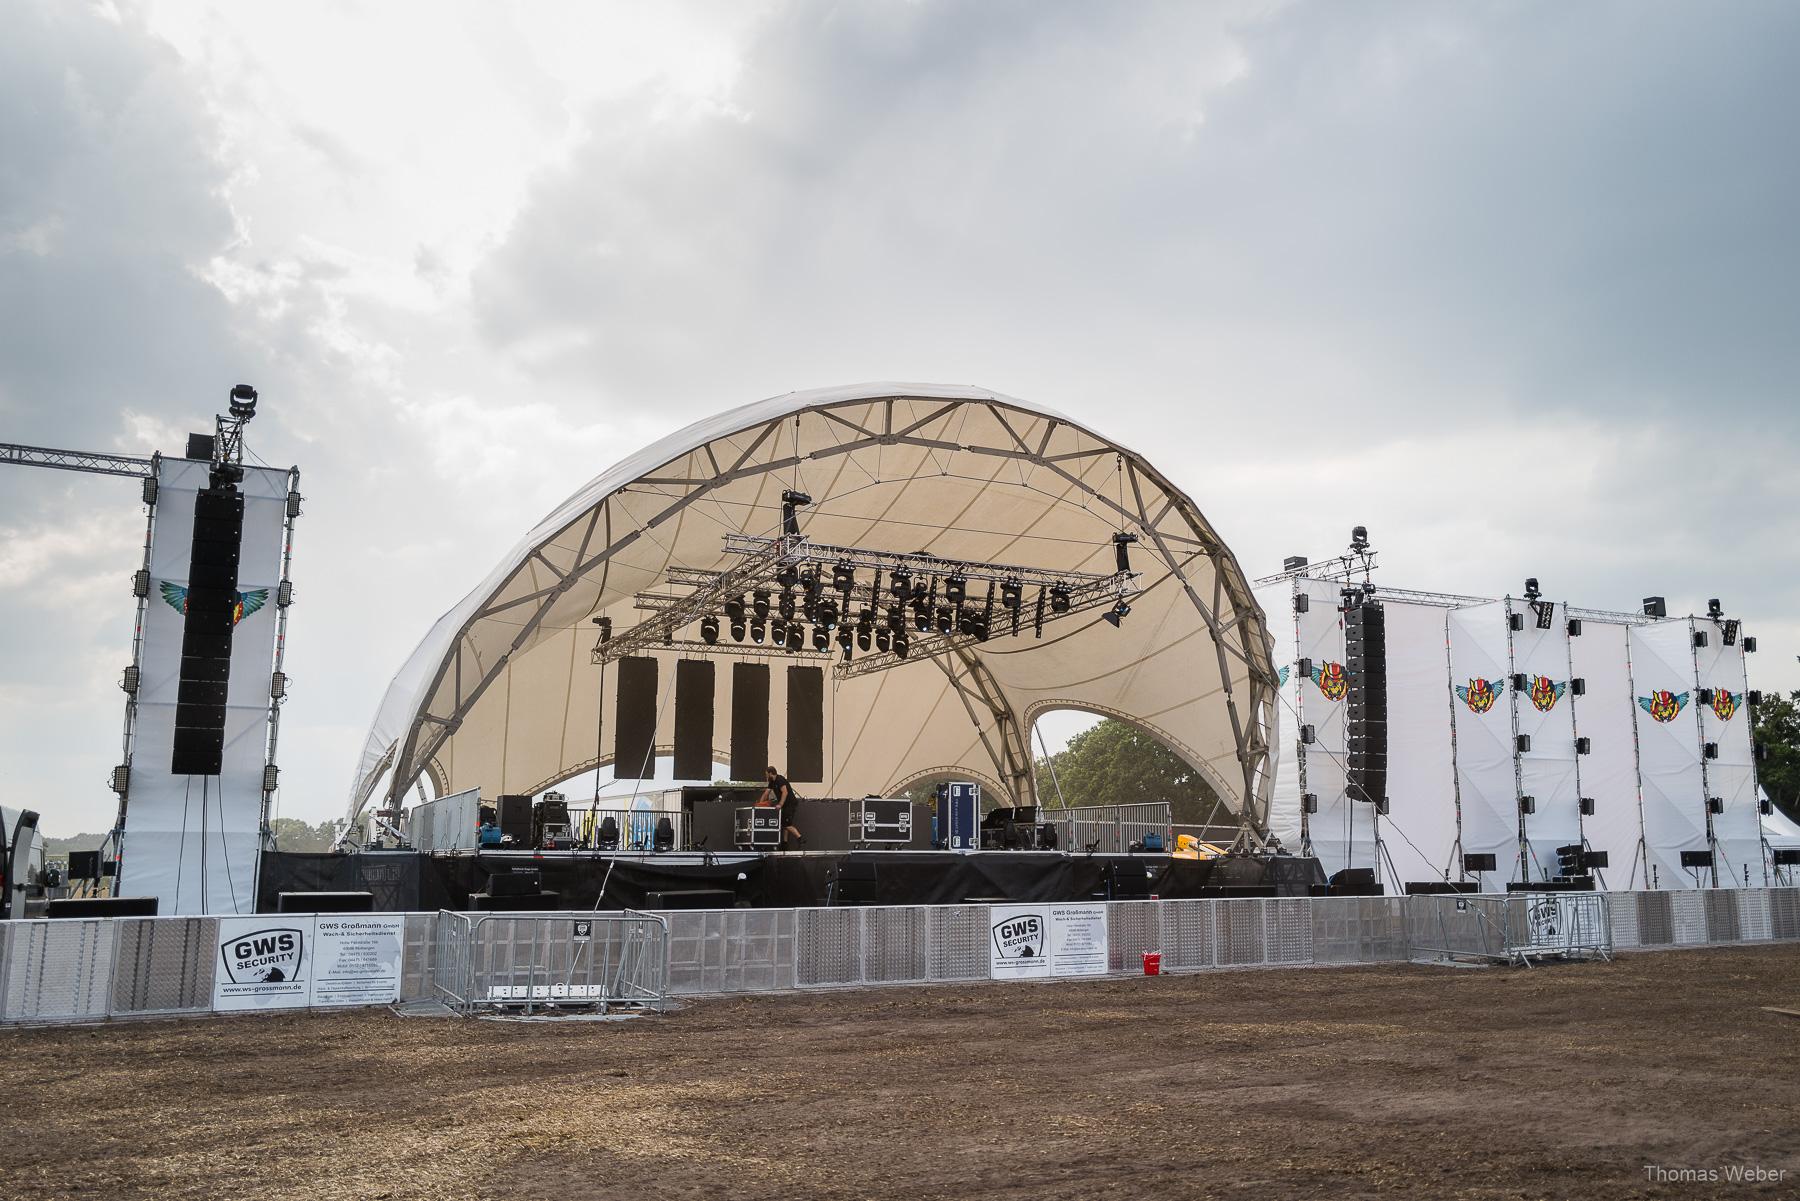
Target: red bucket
(1152, 963)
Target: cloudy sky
(1515, 285)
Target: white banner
(1731, 776)
(1542, 712)
(356, 958)
(1609, 773)
(296, 960)
(1033, 942)
(193, 842)
(1487, 785)
(1420, 828)
(1670, 771)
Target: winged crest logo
(1331, 680)
(1479, 695)
(1545, 692)
(1281, 675)
(247, 602)
(1724, 704)
(1664, 706)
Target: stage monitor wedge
(749, 720)
(694, 709)
(805, 725)
(634, 722)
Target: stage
(415, 880)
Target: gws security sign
(263, 963)
(1019, 937)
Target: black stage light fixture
(243, 402)
(1117, 614)
(788, 576)
(791, 500)
(956, 588)
(605, 626)
(1531, 588)
(709, 629)
(734, 609)
(1655, 606)
(1010, 593)
(884, 640)
(864, 636)
(1730, 636)
(900, 646)
(922, 618)
(758, 632)
(821, 638)
(809, 580)
(1059, 598)
(946, 619)
(1122, 550)
(778, 631)
(785, 605)
(826, 612)
(796, 637)
(1714, 609)
(896, 618)
(759, 603)
(923, 589)
(865, 617)
(843, 576)
(1359, 539)
(738, 628)
(900, 583)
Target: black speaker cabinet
(102, 907)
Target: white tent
(502, 694)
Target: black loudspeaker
(1355, 882)
(1528, 805)
(1578, 686)
(694, 685)
(634, 723)
(84, 865)
(1587, 806)
(1481, 863)
(210, 613)
(1309, 802)
(325, 902)
(1583, 745)
(749, 720)
(1594, 859)
(1715, 804)
(102, 907)
(806, 724)
(1697, 858)
(514, 812)
(1302, 603)
(1786, 856)
(1365, 655)
(520, 882)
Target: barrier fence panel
(58, 970)
(417, 943)
(1110, 829)
(957, 942)
(164, 965)
(542, 960)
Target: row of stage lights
(881, 622)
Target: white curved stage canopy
(506, 693)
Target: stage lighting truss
(897, 607)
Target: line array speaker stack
(211, 614)
(1365, 652)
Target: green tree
(292, 834)
(1778, 729)
(1115, 763)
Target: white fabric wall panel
(1277, 601)
(1609, 774)
(1672, 778)
(1731, 777)
(1487, 784)
(1542, 713)
(1342, 832)
(1420, 829)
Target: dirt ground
(1427, 1082)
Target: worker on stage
(780, 793)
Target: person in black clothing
(780, 792)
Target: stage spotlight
(1059, 598)
(709, 629)
(785, 606)
(1714, 609)
(759, 603)
(884, 641)
(243, 402)
(846, 638)
(796, 637)
(1359, 539)
(1117, 613)
(946, 620)
(843, 577)
(922, 589)
(922, 617)
(1531, 588)
(777, 630)
(896, 618)
(900, 646)
(1732, 625)
(900, 583)
(734, 610)
(791, 500)
(955, 589)
(821, 638)
(826, 613)
(757, 631)
(788, 576)
(1010, 592)
(1122, 550)
(809, 580)
(738, 630)
(863, 638)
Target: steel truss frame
(1147, 500)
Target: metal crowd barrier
(99, 968)
(550, 960)
(1110, 829)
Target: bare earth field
(1413, 1081)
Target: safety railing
(1511, 928)
(1110, 829)
(551, 961)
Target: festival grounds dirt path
(1362, 1082)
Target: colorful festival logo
(1331, 680)
(1479, 696)
(1545, 692)
(1725, 704)
(247, 602)
(1664, 706)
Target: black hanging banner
(749, 720)
(806, 725)
(693, 719)
(634, 725)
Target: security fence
(101, 968)
(1110, 829)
